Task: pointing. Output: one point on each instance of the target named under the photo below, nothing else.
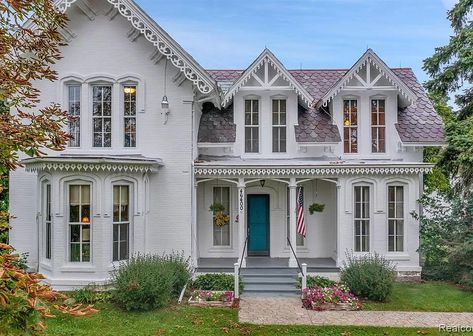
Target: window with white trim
(378, 126)
(74, 92)
(350, 125)
(121, 222)
(279, 126)
(362, 218)
(395, 218)
(221, 234)
(300, 239)
(102, 115)
(251, 126)
(47, 221)
(129, 122)
(79, 223)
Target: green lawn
(429, 296)
(186, 320)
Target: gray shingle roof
(417, 123)
(216, 126)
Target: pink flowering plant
(318, 298)
(207, 295)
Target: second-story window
(350, 125)
(102, 115)
(251, 126)
(74, 113)
(279, 126)
(378, 126)
(129, 100)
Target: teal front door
(258, 225)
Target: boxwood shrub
(216, 282)
(370, 276)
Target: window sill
(221, 249)
(397, 256)
(71, 268)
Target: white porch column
(340, 212)
(194, 253)
(242, 233)
(292, 221)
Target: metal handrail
(242, 254)
(297, 259)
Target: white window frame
(47, 219)
(404, 208)
(74, 142)
(378, 126)
(102, 116)
(350, 127)
(361, 219)
(129, 222)
(69, 223)
(279, 126)
(252, 125)
(126, 117)
(228, 212)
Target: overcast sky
(230, 34)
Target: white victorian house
(157, 140)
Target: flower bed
(212, 298)
(336, 297)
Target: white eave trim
(423, 144)
(215, 144)
(317, 144)
(161, 40)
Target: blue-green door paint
(258, 225)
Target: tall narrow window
(362, 219)
(74, 113)
(350, 126)
(121, 222)
(102, 116)
(47, 222)
(300, 240)
(279, 125)
(378, 126)
(395, 218)
(129, 99)
(251, 126)
(79, 223)
(222, 233)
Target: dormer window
(378, 126)
(350, 125)
(251, 126)
(279, 125)
(102, 115)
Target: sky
(230, 34)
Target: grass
(185, 320)
(429, 296)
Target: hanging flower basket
(316, 207)
(220, 218)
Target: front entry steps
(270, 281)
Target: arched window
(121, 221)
(362, 217)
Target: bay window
(121, 222)
(395, 218)
(129, 99)
(362, 218)
(74, 112)
(279, 125)
(102, 115)
(251, 126)
(350, 125)
(79, 223)
(378, 126)
(221, 234)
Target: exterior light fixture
(165, 103)
(262, 183)
(85, 220)
(129, 89)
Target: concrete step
(274, 287)
(269, 271)
(269, 280)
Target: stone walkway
(288, 310)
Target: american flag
(300, 212)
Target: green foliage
(451, 72)
(146, 282)
(4, 217)
(369, 276)
(316, 207)
(316, 281)
(446, 228)
(89, 295)
(217, 207)
(215, 282)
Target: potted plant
(316, 207)
(220, 217)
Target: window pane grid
(74, 113)
(221, 234)
(48, 222)
(279, 126)
(378, 126)
(251, 126)
(362, 219)
(129, 116)
(350, 126)
(121, 222)
(102, 116)
(395, 218)
(79, 223)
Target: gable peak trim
(154, 34)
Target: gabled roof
(159, 38)
(267, 56)
(369, 57)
